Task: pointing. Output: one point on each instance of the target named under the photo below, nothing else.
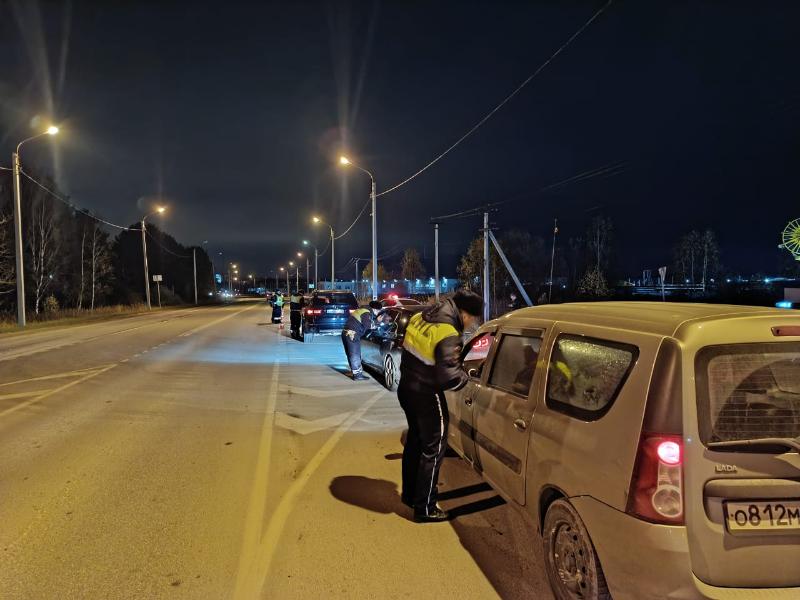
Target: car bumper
(325, 325)
(640, 560)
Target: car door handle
(520, 424)
(468, 401)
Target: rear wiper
(793, 443)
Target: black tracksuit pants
(352, 348)
(426, 443)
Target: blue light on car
(784, 304)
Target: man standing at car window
(295, 313)
(431, 364)
(361, 322)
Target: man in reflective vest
(361, 322)
(431, 364)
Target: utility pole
(18, 243)
(288, 286)
(298, 278)
(486, 311)
(194, 270)
(374, 243)
(552, 261)
(146, 274)
(308, 272)
(316, 268)
(356, 279)
(158, 287)
(436, 258)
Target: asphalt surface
(204, 454)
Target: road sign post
(158, 279)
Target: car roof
(409, 308)
(332, 292)
(661, 318)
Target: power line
(491, 113)
(354, 222)
(162, 246)
(72, 206)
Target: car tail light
(656, 492)
(313, 311)
(352, 310)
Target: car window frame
(576, 412)
(492, 331)
(495, 350)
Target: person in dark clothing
(431, 364)
(513, 302)
(361, 322)
(296, 304)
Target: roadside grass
(73, 316)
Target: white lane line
(251, 588)
(56, 390)
(53, 376)
(258, 495)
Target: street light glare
(52, 130)
(316, 219)
(299, 255)
(343, 160)
(161, 209)
(305, 242)
(291, 263)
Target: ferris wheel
(790, 238)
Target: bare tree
(83, 268)
(43, 247)
(411, 265)
(7, 270)
(100, 260)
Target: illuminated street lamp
(333, 239)
(316, 261)
(344, 161)
(158, 211)
(52, 130)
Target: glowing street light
(316, 260)
(52, 130)
(317, 220)
(343, 160)
(159, 210)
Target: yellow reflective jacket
(431, 359)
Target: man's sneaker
(435, 515)
(359, 377)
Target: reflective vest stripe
(359, 312)
(421, 338)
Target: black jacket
(447, 372)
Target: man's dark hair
(469, 302)
(375, 304)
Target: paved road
(204, 454)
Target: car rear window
(586, 374)
(326, 299)
(748, 391)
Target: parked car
(656, 447)
(382, 347)
(327, 311)
(396, 301)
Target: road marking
(317, 393)
(225, 318)
(257, 575)
(57, 390)
(21, 394)
(304, 426)
(258, 495)
(53, 376)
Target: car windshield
(748, 391)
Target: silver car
(655, 447)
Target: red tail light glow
(669, 453)
(656, 492)
(313, 311)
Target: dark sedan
(327, 311)
(381, 348)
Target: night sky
(236, 114)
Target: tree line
(71, 259)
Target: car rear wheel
(391, 374)
(570, 559)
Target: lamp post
(277, 285)
(21, 320)
(316, 262)
(333, 240)
(159, 211)
(343, 160)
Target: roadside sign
(158, 278)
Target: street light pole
(146, 274)
(436, 258)
(343, 160)
(194, 271)
(19, 262)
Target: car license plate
(776, 515)
(335, 311)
